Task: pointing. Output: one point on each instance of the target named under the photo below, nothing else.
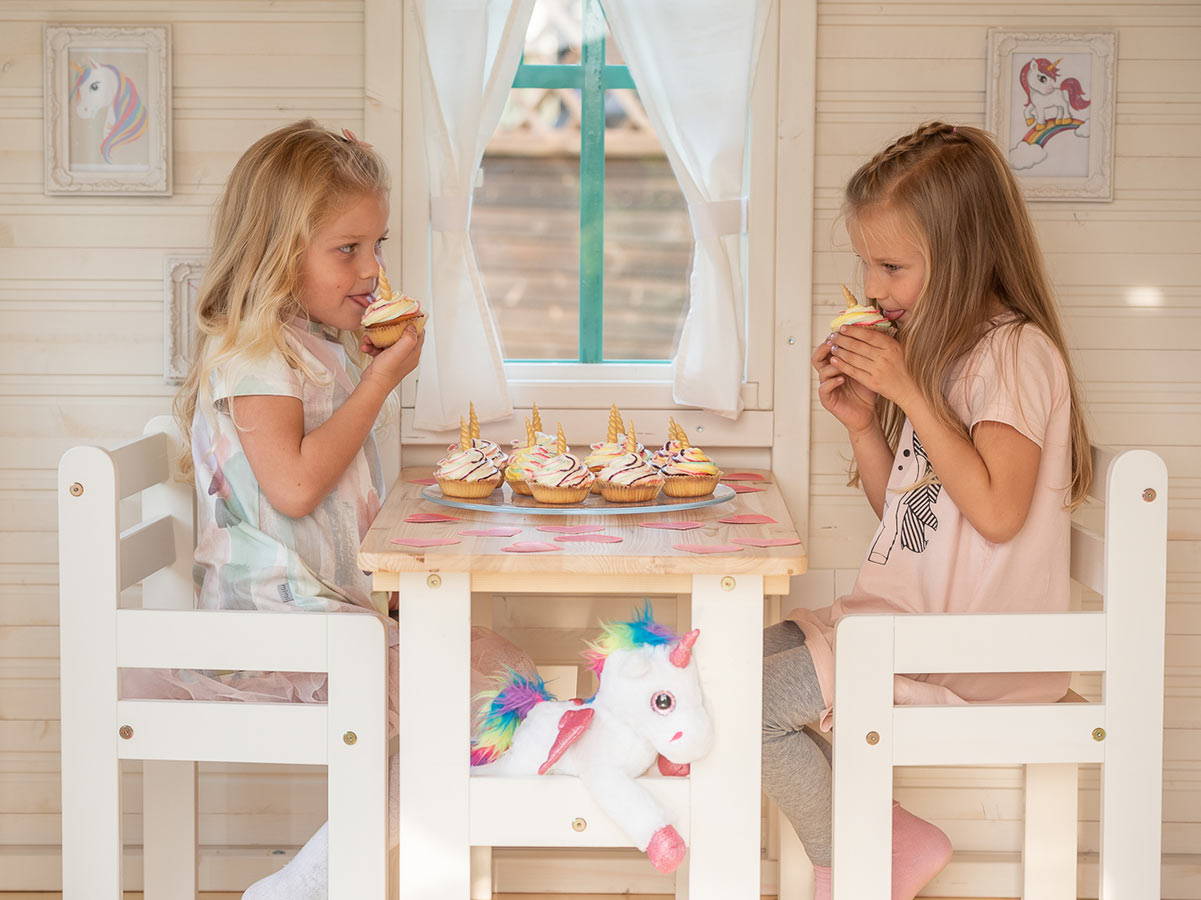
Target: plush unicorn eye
(663, 702)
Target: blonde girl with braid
(969, 444)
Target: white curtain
(693, 62)
(470, 50)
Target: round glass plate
(504, 500)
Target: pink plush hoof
(666, 849)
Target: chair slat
(224, 639)
(1000, 642)
(1088, 559)
(219, 731)
(1001, 734)
(141, 463)
(146, 548)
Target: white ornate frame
(59, 176)
(1002, 45)
(181, 280)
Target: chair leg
(481, 873)
(796, 871)
(169, 829)
(91, 822)
(1049, 852)
(357, 758)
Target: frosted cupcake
(630, 478)
(390, 314)
(490, 449)
(671, 446)
(466, 472)
(864, 316)
(689, 472)
(562, 478)
(604, 452)
(526, 459)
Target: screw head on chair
(727, 583)
(434, 580)
(350, 739)
(76, 489)
(1149, 495)
(873, 737)
(1098, 734)
(579, 824)
(126, 731)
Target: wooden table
(444, 813)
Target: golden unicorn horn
(614, 424)
(464, 434)
(849, 297)
(474, 421)
(536, 418)
(631, 438)
(560, 440)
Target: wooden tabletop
(642, 551)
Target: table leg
(435, 635)
(725, 786)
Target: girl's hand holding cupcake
(391, 364)
(875, 361)
(846, 399)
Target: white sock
(305, 877)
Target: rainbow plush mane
(514, 697)
(644, 631)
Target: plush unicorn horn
(648, 708)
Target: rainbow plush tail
(508, 705)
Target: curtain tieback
(712, 219)
(450, 212)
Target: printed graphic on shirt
(910, 513)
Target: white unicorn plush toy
(648, 707)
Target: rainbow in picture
(1039, 135)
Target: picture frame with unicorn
(107, 101)
(1050, 105)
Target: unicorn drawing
(106, 87)
(648, 707)
(1049, 100)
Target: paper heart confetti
(708, 548)
(490, 532)
(767, 542)
(429, 518)
(672, 526)
(530, 547)
(748, 519)
(745, 489)
(425, 542)
(590, 538)
(571, 529)
(422, 481)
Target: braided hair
(953, 188)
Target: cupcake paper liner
(629, 493)
(468, 490)
(545, 494)
(388, 333)
(690, 485)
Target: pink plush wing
(572, 725)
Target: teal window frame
(591, 77)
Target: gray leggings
(796, 761)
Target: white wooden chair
(1123, 732)
(96, 562)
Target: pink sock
(821, 883)
(920, 850)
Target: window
(580, 229)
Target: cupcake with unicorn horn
(490, 449)
(539, 436)
(466, 472)
(604, 452)
(675, 440)
(562, 478)
(689, 472)
(630, 478)
(527, 458)
(390, 314)
(863, 315)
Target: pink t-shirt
(927, 558)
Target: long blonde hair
(280, 193)
(955, 189)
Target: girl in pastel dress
(968, 443)
(280, 408)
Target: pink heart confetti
(425, 542)
(767, 542)
(745, 489)
(429, 518)
(708, 548)
(743, 476)
(672, 526)
(748, 519)
(422, 481)
(571, 529)
(591, 538)
(490, 532)
(530, 547)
